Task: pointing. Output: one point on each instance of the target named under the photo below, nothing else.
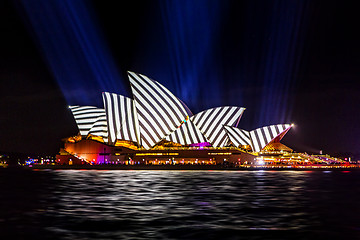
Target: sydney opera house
(155, 127)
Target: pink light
(201, 145)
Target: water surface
(94, 204)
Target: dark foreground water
(92, 204)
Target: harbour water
(115, 204)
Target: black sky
(34, 115)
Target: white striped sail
(261, 137)
(211, 123)
(159, 112)
(238, 137)
(100, 128)
(90, 120)
(121, 120)
(187, 134)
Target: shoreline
(187, 167)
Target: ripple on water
(92, 204)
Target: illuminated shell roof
(187, 134)
(211, 123)
(159, 111)
(90, 120)
(121, 117)
(155, 114)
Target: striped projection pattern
(186, 134)
(90, 120)
(238, 137)
(120, 115)
(263, 136)
(159, 112)
(100, 128)
(211, 122)
(155, 114)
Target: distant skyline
(284, 61)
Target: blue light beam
(191, 30)
(74, 49)
(281, 57)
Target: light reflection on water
(93, 204)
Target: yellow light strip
(226, 153)
(155, 154)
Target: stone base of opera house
(90, 152)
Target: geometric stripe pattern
(238, 137)
(156, 114)
(263, 136)
(100, 128)
(211, 123)
(159, 112)
(187, 134)
(120, 117)
(90, 119)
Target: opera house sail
(154, 125)
(259, 138)
(211, 122)
(121, 117)
(90, 120)
(159, 111)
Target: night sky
(284, 61)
